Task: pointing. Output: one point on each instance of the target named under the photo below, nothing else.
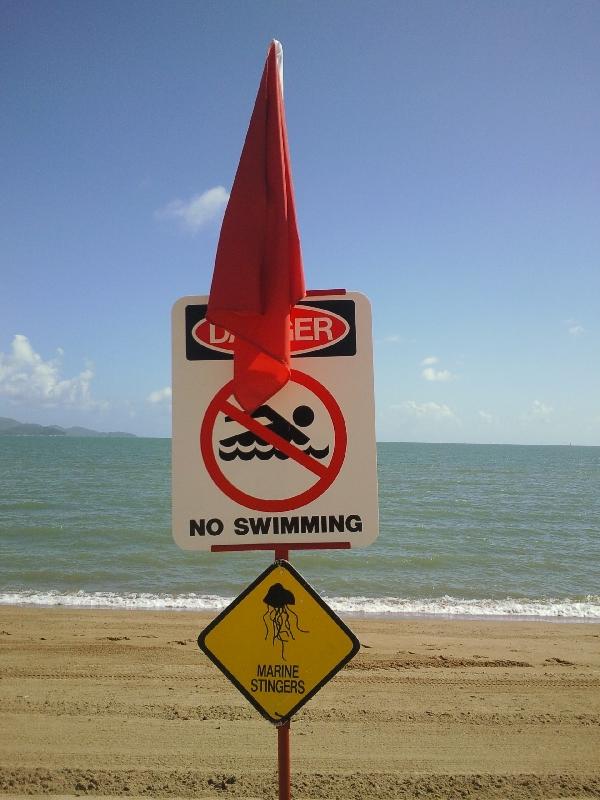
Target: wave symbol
(264, 454)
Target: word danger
(322, 523)
(310, 329)
(278, 679)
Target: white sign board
(301, 469)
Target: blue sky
(446, 163)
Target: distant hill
(12, 427)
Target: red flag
(258, 275)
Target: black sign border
(226, 611)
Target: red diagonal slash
(278, 442)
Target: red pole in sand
(283, 731)
(283, 759)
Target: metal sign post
(284, 762)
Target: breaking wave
(582, 609)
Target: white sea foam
(127, 600)
(587, 609)
(552, 608)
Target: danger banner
(317, 328)
(301, 466)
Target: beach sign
(301, 468)
(278, 642)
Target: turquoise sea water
(465, 529)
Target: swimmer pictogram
(248, 445)
(278, 601)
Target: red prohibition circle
(285, 504)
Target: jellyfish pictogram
(278, 601)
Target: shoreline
(114, 703)
(140, 602)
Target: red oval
(213, 336)
(311, 329)
(314, 328)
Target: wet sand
(123, 704)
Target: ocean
(467, 530)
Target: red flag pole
(283, 761)
(259, 277)
(283, 731)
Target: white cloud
(26, 377)
(431, 374)
(486, 416)
(540, 411)
(160, 396)
(575, 330)
(432, 410)
(198, 211)
(392, 339)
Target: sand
(118, 703)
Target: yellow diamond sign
(278, 642)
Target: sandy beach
(119, 703)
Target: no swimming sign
(300, 469)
